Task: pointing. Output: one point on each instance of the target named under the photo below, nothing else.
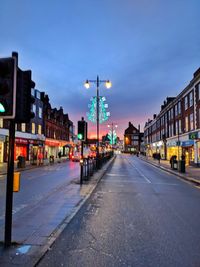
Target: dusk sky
(149, 49)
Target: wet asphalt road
(37, 184)
(137, 216)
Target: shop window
(23, 127)
(33, 128)
(192, 121)
(39, 129)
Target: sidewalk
(192, 174)
(3, 166)
(34, 238)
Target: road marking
(113, 174)
(148, 181)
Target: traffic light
(7, 88)
(24, 97)
(82, 130)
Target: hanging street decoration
(112, 136)
(103, 114)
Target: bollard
(16, 181)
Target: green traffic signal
(80, 136)
(2, 109)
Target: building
(133, 139)
(176, 129)
(58, 130)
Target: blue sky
(149, 49)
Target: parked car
(76, 157)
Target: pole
(82, 162)
(97, 122)
(9, 186)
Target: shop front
(2, 140)
(36, 151)
(174, 149)
(188, 151)
(21, 148)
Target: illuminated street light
(87, 85)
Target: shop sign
(21, 141)
(51, 143)
(171, 143)
(193, 136)
(187, 143)
(2, 138)
(35, 142)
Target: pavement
(30, 241)
(30, 247)
(192, 174)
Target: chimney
(154, 116)
(139, 128)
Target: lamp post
(87, 86)
(112, 125)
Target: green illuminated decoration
(112, 136)
(2, 109)
(103, 114)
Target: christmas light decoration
(103, 114)
(112, 136)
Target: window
(40, 113)
(33, 128)
(34, 109)
(179, 107)
(38, 94)
(176, 109)
(39, 129)
(191, 99)
(180, 131)
(186, 102)
(169, 115)
(177, 130)
(1, 123)
(33, 92)
(23, 127)
(192, 121)
(186, 123)
(172, 113)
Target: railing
(90, 165)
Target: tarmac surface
(25, 254)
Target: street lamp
(112, 131)
(87, 86)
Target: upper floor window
(179, 107)
(38, 95)
(33, 128)
(186, 124)
(198, 89)
(1, 123)
(191, 99)
(39, 129)
(40, 112)
(169, 115)
(176, 109)
(33, 92)
(34, 108)
(192, 121)
(23, 127)
(172, 113)
(186, 102)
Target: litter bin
(181, 166)
(21, 162)
(175, 164)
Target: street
(138, 215)
(39, 186)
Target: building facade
(176, 129)
(133, 139)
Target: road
(138, 215)
(37, 185)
